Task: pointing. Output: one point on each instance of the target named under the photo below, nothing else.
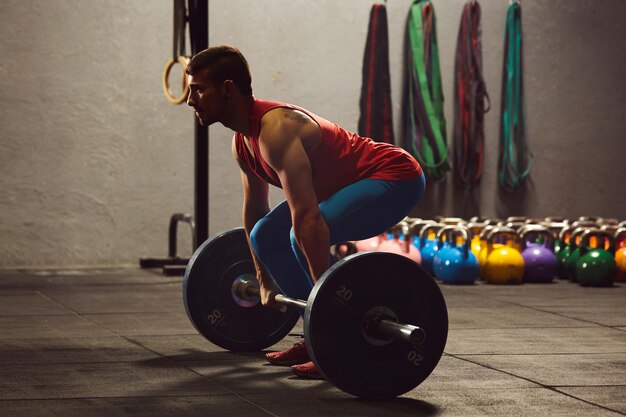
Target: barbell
(375, 324)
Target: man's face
(206, 98)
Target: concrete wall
(94, 160)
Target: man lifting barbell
(338, 186)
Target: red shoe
(295, 355)
(307, 371)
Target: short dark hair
(223, 63)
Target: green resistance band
(515, 159)
(430, 123)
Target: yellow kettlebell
(484, 249)
(504, 264)
(474, 230)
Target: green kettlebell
(596, 266)
(555, 228)
(574, 255)
(565, 236)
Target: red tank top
(340, 159)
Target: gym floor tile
(453, 373)
(245, 377)
(606, 315)
(508, 402)
(456, 297)
(37, 327)
(166, 406)
(71, 350)
(612, 397)
(315, 402)
(147, 378)
(558, 294)
(13, 304)
(146, 324)
(120, 299)
(505, 317)
(560, 370)
(425, 402)
(91, 277)
(118, 342)
(195, 348)
(547, 340)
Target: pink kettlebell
(401, 243)
(371, 244)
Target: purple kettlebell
(540, 264)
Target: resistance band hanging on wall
(471, 100)
(515, 159)
(425, 130)
(375, 120)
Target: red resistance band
(471, 100)
(375, 120)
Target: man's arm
(283, 133)
(255, 206)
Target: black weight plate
(345, 354)
(211, 307)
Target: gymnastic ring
(183, 61)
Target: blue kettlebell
(428, 246)
(456, 264)
(444, 247)
(415, 228)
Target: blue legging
(358, 211)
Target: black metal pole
(199, 30)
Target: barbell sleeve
(283, 299)
(406, 332)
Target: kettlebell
(482, 255)
(596, 266)
(620, 254)
(401, 243)
(555, 228)
(505, 264)
(455, 264)
(474, 230)
(393, 242)
(515, 225)
(415, 228)
(565, 235)
(540, 265)
(574, 255)
(444, 247)
(428, 246)
(370, 244)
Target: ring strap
(178, 54)
(471, 100)
(375, 120)
(425, 129)
(515, 160)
